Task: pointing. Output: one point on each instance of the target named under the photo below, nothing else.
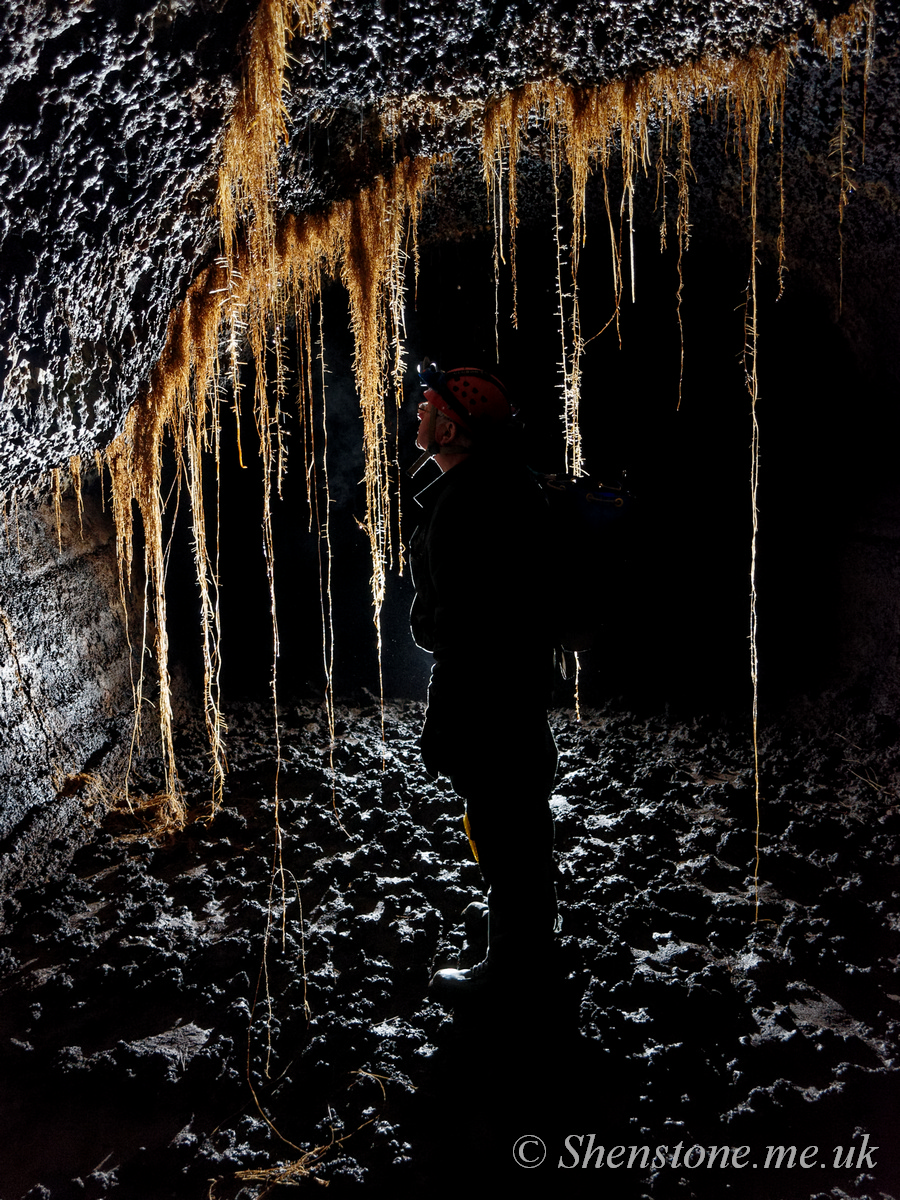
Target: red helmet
(470, 396)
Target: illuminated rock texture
(68, 678)
(129, 985)
(110, 116)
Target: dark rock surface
(111, 117)
(109, 120)
(389, 63)
(134, 987)
(65, 670)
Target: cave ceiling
(112, 117)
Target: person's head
(439, 433)
(461, 409)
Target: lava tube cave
(230, 229)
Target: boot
(454, 985)
(457, 985)
(512, 946)
(476, 922)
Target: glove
(438, 736)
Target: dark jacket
(480, 564)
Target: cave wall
(110, 120)
(65, 674)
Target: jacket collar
(429, 494)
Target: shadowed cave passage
(140, 1055)
(675, 615)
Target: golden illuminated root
(271, 267)
(591, 123)
(248, 178)
(500, 146)
(585, 127)
(841, 36)
(75, 473)
(57, 505)
(363, 241)
(286, 1173)
(371, 232)
(840, 39)
(182, 397)
(181, 403)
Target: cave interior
(739, 375)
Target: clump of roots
(288, 1174)
(138, 816)
(131, 815)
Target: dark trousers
(504, 771)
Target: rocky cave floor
(148, 1051)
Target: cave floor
(150, 1049)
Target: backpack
(591, 525)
